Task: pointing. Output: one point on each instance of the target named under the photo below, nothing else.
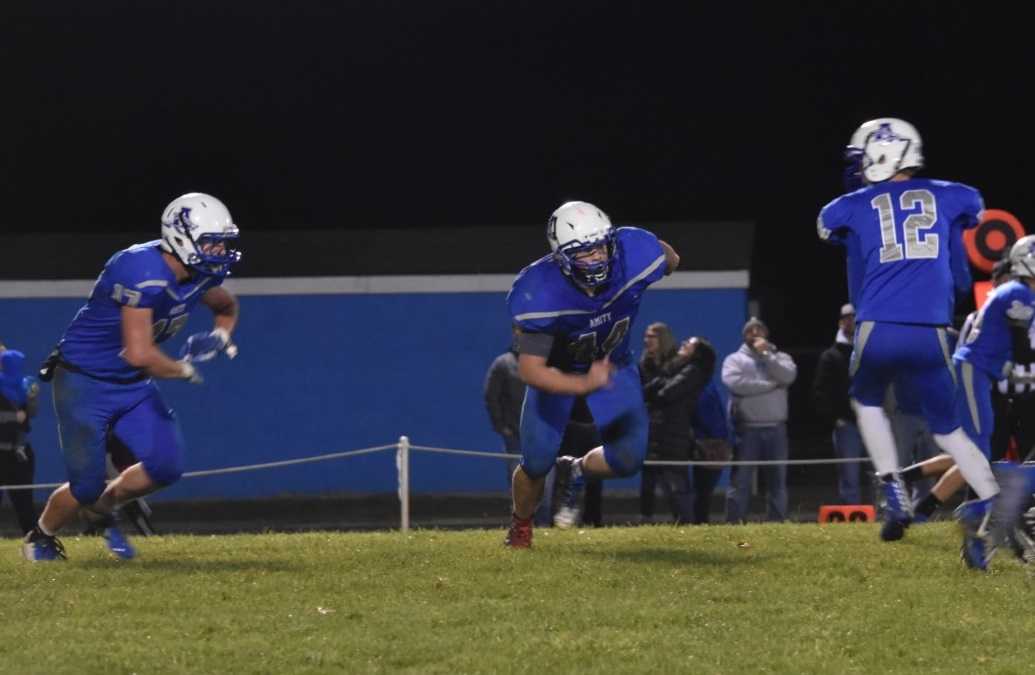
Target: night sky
(412, 114)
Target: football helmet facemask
(881, 148)
(197, 228)
(575, 229)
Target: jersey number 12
(916, 247)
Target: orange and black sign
(992, 238)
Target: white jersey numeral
(916, 246)
(126, 296)
(164, 329)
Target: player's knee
(624, 462)
(87, 492)
(537, 467)
(164, 472)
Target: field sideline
(758, 598)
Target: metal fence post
(402, 464)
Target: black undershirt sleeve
(535, 344)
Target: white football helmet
(192, 225)
(1022, 257)
(884, 147)
(576, 227)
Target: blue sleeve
(1018, 305)
(644, 257)
(129, 282)
(969, 205)
(962, 281)
(529, 303)
(834, 221)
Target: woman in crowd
(673, 379)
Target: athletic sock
(927, 505)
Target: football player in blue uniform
(575, 307)
(982, 358)
(104, 367)
(903, 235)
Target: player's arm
(534, 372)
(671, 257)
(139, 348)
(834, 221)
(533, 354)
(202, 347)
(224, 306)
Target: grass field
(720, 599)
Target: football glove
(202, 347)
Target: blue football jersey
(904, 244)
(988, 345)
(134, 277)
(585, 328)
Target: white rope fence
(658, 462)
(402, 464)
(239, 469)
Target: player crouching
(104, 367)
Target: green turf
(760, 598)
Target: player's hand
(761, 346)
(202, 347)
(189, 372)
(599, 374)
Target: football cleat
(977, 549)
(898, 512)
(39, 547)
(520, 533)
(571, 482)
(118, 544)
(114, 538)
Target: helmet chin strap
(184, 266)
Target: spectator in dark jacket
(830, 399)
(504, 395)
(672, 381)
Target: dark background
(413, 115)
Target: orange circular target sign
(992, 238)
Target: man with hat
(758, 376)
(830, 399)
